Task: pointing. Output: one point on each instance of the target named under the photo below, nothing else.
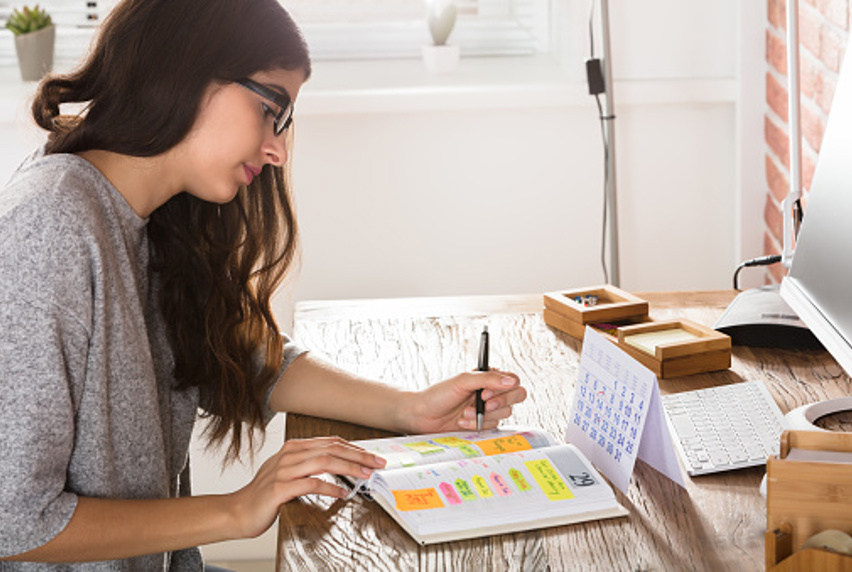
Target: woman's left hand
(450, 405)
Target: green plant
(28, 20)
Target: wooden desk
(717, 523)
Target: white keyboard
(724, 428)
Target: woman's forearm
(103, 529)
(311, 386)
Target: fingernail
(491, 406)
(507, 381)
(381, 461)
(366, 471)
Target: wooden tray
(676, 347)
(623, 318)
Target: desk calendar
(617, 415)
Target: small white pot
(441, 59)
(35, 53)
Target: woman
(138, 253)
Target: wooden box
(806, 495)
(669, 349)
(614, 308)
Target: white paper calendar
(617, 415)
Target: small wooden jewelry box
(669, 349)
(605, 308)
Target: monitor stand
(759, 317)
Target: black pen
(483, 366)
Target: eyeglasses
(284, 117)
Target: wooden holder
(619, 316)
(613, 305)
(703, 349)
(806, 497)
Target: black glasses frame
(284, 118)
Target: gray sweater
(88, 405)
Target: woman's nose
(275, 149)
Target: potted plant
(34, 39)
(441, 57)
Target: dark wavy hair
(141, 87)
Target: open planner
(458, 485)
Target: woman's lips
(251, 172)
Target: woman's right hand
(291, 472)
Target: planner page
(417, 450)
(516, 487)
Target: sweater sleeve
(291, 351)
(42, 360)
(45, 305)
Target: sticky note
(418, 499)
(450, 441)
(450, 493)
(519, 480)
(425, 447)
(468, 451)
(481, 487)
(502, 445)
(549, 480)
(500, 485)
(464, 490)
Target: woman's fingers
(327, 455)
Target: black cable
(759, 261)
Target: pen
(483, 366)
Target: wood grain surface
(716, 523)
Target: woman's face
(234, 136)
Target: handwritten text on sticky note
(504, 445)
(418, 499)
(549, 480)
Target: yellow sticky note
(502, 445)
(424, 447)
(469, 451)
(418, 499)
(481, 486)
(451, 441)
(549, 480)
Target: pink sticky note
(450, 493)
(502, 488)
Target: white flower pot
(35, 53)
(441, 59)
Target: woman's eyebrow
(279, 90)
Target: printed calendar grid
(610, 406)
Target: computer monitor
(819, 285)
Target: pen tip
(485, 329)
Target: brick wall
(823, 35)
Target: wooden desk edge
(427, 306)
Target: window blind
(338, 29)
(358, 29)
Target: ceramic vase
(35, 53)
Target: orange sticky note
(419, 499)
(504, 445)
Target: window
(357, 29)
(341, 29)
